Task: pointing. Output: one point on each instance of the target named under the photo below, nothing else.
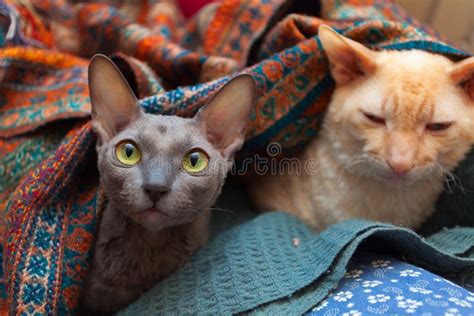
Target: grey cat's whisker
(213, 209)
(195, 210)
(217, 208)
(112, 197)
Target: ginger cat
(397, 124)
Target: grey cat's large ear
(463, 75)
(114, 105)
(225, 116)
(348, 59)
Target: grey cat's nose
(155, 191)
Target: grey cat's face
(160, 187)
(162, 171)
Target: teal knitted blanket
(274, 264)
(257, 267)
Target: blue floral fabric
(381, 285)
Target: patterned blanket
(48, 187)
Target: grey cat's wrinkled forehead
(166, 132)
(163, 124)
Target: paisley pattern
(49, 179)
(382, 285)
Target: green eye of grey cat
(127, 152)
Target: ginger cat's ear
(348, 59)
(463, 75)
(225, 116)
(114, 106)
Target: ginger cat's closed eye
(399, 122)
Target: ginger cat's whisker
(351, 163)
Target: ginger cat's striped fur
(398, 123)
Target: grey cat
(161, 175)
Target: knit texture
(256, 267)
(49, 179)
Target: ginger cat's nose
(400, 166)
(401, 153)
(400, 159)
